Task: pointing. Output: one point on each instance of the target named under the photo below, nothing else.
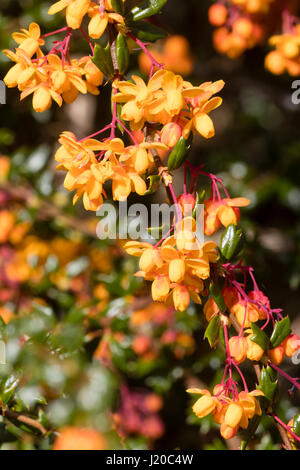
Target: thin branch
(20, 418)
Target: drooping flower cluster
(243, 24)
(178, 267)
(164, 99)
(286, 56)
(49, 77)
(231, 413)
(168, 98)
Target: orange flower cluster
(100, 16)
(286, 56)
(48, 77)
(244, 310)
(230, 413)
(178, 267)
(123, 165)
(239, 27)
(222, 212)
(243, 24)
(167, 98)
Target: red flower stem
(286, 427)
(88, 39)
(241, 375)
(55, 32)
(164, 237)
(178, 210)
(154, 62)
(114, 116)
(127, 132)
(96, 133)
(285, 375)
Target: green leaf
(296, 425)
(8, 389)
(154, 183)
(217, 295)
(213, 330)
(147, 32)
(267, 383)
(118, 6)
(149, 8)
(102, 59)
(200, 196)
(259, 337)
(179, 153)
(231, 241)
(122, 53)
(281, 330)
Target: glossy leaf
(179, 153)
(231, 241)
(213, 330)
(281, 330)
(296, 425)
(102, 59)
(122, 53)
(267, 383)
(147, 9)
(216, 294)
(259, 337)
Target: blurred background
(56, 276)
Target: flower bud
(292, 344)
(254, 351)
(276, 355)
(227, 432)
(233, 415)
(204, 406)
(238, 348)
(176, 270)
(181, 298)
(170, 134)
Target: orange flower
(238, 348)
(230, 414)
(177, 267)
(75, 11)
(101, 18)
(30, 40)
(222, 212)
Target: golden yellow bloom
(30, 40)
(238, 348)
(229, 413)
(75, 11)
(100, 19)
(66, 79)
(137, 96)
(176, 268)
(222, 212)
(139, 157)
